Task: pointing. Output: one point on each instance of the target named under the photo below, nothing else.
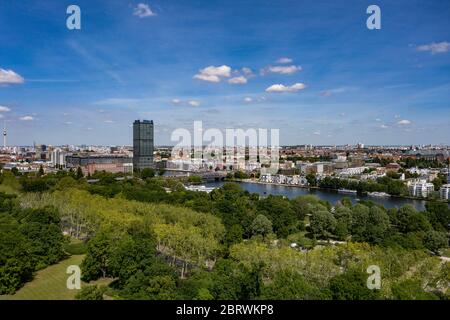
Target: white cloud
(403, 122)
(248, 99)
(4, 109)
(434, 47)
(281, 69)
(68, 122)
(10, 77)
(317, 133)
(283, 88)
(238, 80)
(213, 74)
(143, 10)
(26, 118)
(109, 121)
(176, 101)
(383, 126)
(247, 71)
(284, 60)
(194, 103)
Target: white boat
(199, 188)
(378, 194)
(347, 191)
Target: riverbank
(332, 190)
(331, 196)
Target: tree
(92, 292)
(15, 171)
(287, 285)
(377, 225)
(435, 240)
(343, 217)
(147, 173)
(233, 281)
(195, 179)
(41, 171)
(96, 262)
(234, 234)
(279, 211)
(79, 174)
(204, 294)
(133, 252)
(351, 285)
(261, 225)
(347, 202)
(311, 178)
(438, 213)
(407, 219)
(322, 224)
(411, 289)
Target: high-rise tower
(143, 144)
(4, 135)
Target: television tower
(4, 135)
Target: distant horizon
(281, 146)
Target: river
(328, 195)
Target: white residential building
(267, 178)
(58, 158)
(420, 188)
(445, 191)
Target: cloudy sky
(309, 68)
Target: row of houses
(284, 179)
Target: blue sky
(336, 81)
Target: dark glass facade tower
(143, 144)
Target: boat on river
(347, 191)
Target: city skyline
(312, 70)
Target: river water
(329, 195)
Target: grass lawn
(50, 283)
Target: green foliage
(204, 294)
(191, 245)
(195, 179)
(351, 285)
(234, 235)
(79, 173)
(411, 289)
(311, 178)
(156, 282)
(438, 213)
(233, 281)
(435, 240)
(241, 175)
(147, 173)
(288, 285)
(322, 224)
(369, 224)
(261, 225)
(29, 240)
(280, 211)
(91, 292)
(407, 219)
